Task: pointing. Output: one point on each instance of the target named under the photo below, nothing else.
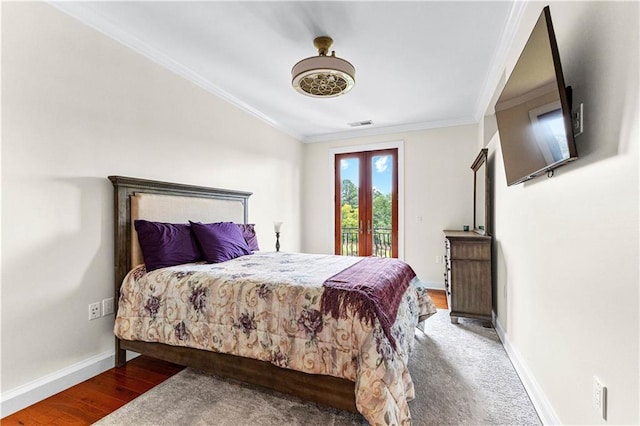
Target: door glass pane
(381, 192)
(349, 200)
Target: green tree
(349, 216)
(349, 207)
(381, 209)
(349, 193)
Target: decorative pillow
(249, 234)
(166, 244)
(220, 241)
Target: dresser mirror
(481, 194)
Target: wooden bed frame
(328, 390)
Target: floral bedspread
(266, 306)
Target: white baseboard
(545, 411)
(28, 394)
(431, 285)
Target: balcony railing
(382, 239)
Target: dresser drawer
(471, 250)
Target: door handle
(360, 228)
(368, 227)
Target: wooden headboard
(165, 202)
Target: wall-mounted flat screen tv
(533, 111)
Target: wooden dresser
(467, 276)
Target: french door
(366, 203)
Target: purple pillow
(166, 244)
(220, 241)
(249, 234)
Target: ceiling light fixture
(323, 76)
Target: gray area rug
(461, 373)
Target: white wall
(438, 186)
(567, 248)
(77, 107)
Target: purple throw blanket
(371, 288)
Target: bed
(316, 359)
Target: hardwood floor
(93, 399)
(439, 298)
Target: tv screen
(533, 111)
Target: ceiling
(419, 65)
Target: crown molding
(498, 62)
(375, 131)
(114, 32)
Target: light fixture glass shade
(323, 76)
(276, 226)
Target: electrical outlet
(600, 397)
(107, 306)
(94, 310)
(577, 118)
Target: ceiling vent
(360, 123)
